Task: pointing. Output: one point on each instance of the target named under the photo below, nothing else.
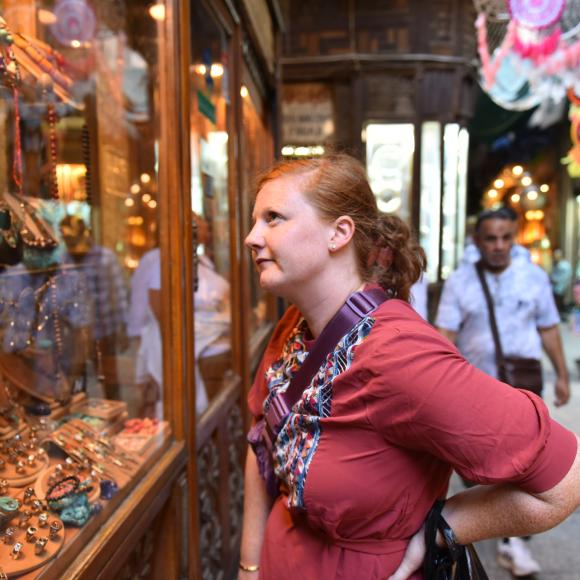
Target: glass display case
(83, 434)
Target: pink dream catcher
(541, 34)
(539, 30)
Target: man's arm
(552, 344)
(448, 334)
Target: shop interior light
(532, 195)
(200, 69)
(129, 202)
(302, 151)
(157, 11)
(46, 17)
(145, 178)
(135, 189)
(492, 193)
(216, 70)
(534, 215)
(287, 150)
(75, 43)
(526, 180)
(244, 91)
(498, 183)
(152, 204)
(515, 197)
(146, 198)
(517, 170)
(544, 188)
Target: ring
(16, 551)
(40, 546)
(31, 534)
(9, 536)
(55, 527)
(28, 494)
(43, 520)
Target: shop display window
(455, 151)
(210, 128)
(81, 420)
(389, 153)
(430, 222)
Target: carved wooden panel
(236, 450)
(389, 95)
(211, 533)
(139, 563)
(330, 27)
(221, 487)
(319, 27)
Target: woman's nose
(254, 239)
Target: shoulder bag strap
(494, 331)
(357, 306)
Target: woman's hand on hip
(413, 558)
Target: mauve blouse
(402, 409)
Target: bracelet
(249, 568)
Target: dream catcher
(529, 50)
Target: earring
(333, 246)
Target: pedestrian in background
(561, 278)
(527, 320)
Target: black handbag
(455, 561)
(520, 372)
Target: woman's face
(289, 241)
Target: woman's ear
(343, 232)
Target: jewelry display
(32, 543)
(23, 460)
(103, 408)
(140, 434)
(84, 444)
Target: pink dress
(372, 442)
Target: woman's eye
(273, 217)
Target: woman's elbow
(564, 498)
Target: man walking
(527, 320)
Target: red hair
(336, 185)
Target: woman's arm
(496, 511)
(257, 504)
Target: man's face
(495, 240)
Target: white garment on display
(212, 325)
(140, 284)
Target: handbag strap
(356, 307)
(494, 331)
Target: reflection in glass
(258, 157)
(389, 153)
(429, 226)
(209, 139)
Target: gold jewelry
(249, 567)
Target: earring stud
(333, 246)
